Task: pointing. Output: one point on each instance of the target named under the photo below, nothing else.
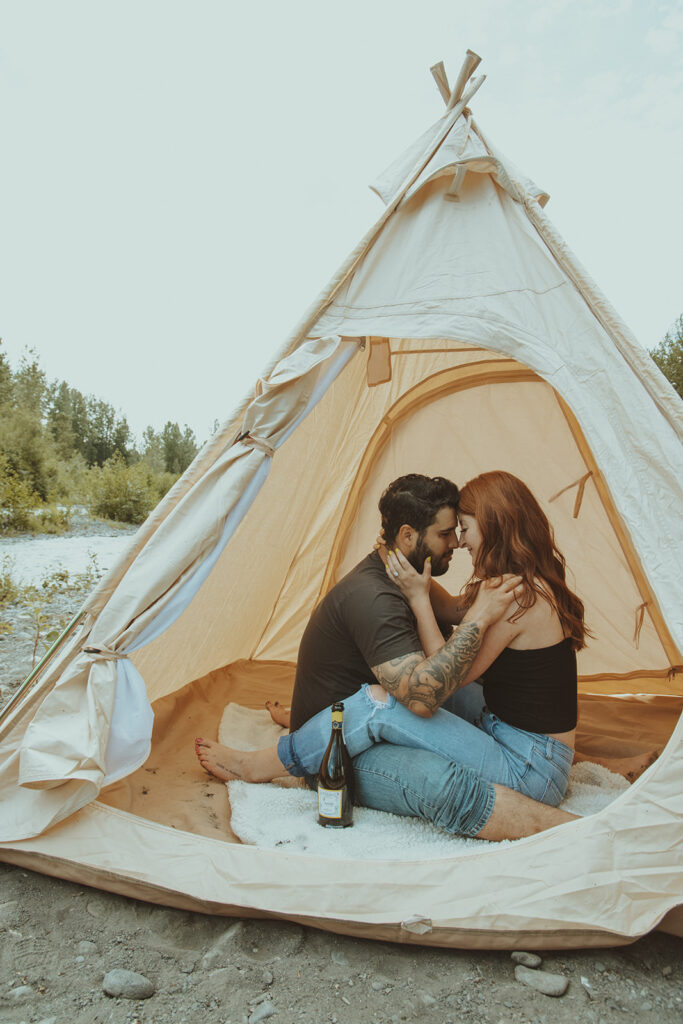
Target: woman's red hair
(517, 537)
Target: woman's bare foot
(248, 765)
(279, 714)
(630, 767)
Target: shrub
(123, 493)
(52, 519)
(17, 500)
(163, 482)
(68, 480)
(9, 591)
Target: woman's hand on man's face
(413, 584)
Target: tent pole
(469, 66)
(35, 672)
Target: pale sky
(180, 178)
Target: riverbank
(51, 575)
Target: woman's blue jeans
(463, 731)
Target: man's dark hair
(415, 499)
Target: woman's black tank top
(534, 690)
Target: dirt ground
(59, 940)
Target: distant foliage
(172, 450)
(17, 500)
(668, 355)
(124, 493)
(53, 438)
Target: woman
(523, 738)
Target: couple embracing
(471, 728)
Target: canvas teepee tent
(461, 335)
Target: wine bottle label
(329, 802)
(338, 717)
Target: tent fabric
(463, 148)
(511, 300)
(496, 351)
(77, 735)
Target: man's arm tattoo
(421, 683)
(444, 673)
(394, 674)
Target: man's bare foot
(630, 767)
(228, 764)
(279, 714)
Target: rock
(542, 981)
(526, 959)
(262, 1012)
(124, 984)
(337, 956)
(646, 1006)
(221, 949)
(667, 971)
(599, 967)
(427, 1000)
(86, 946)
(18, 995)
(377, 986)
(267, 977)
(48, 1020)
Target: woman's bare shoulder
(540, 625)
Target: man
(364, 631)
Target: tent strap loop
(100, 652)
(257, 442)
(581, 484)
(640, 616)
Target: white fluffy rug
(269, 816)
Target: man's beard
(418, 557)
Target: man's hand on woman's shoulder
(493, 600)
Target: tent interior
(434, 406)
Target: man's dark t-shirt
(363, 621)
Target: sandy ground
(59, 941)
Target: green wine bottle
(335, 778)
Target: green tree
(80, 424)
(153, 450)
(60, 415)
(5, 380)
(668, 355)
(179, 447)
(23, 440)
(30, 385)
(107, 433)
